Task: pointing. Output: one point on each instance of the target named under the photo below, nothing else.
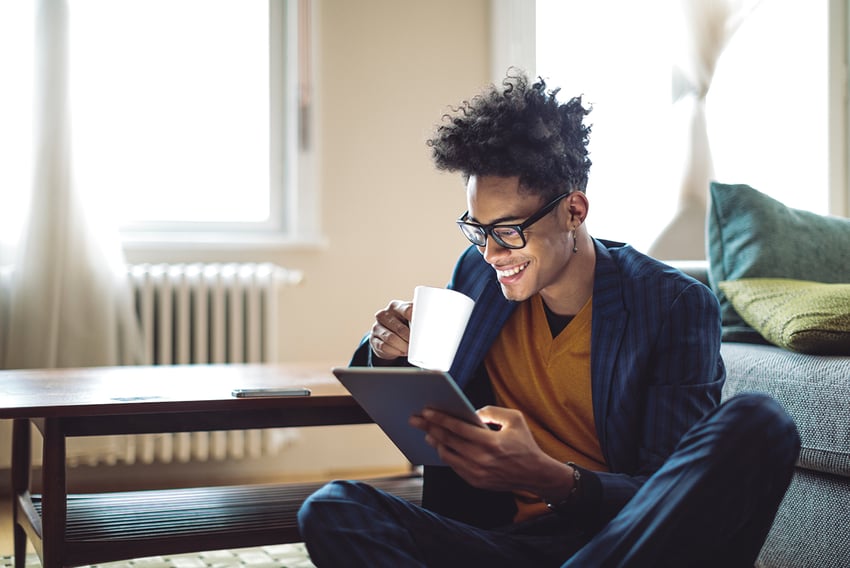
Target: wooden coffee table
(79, 529)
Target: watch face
(556, 506)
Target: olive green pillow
(751, 235)
(809, 317)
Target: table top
(163, 388)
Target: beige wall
(388, 70)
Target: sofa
(812, 527)
(786, 332)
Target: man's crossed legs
(711, 504)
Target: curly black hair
(519, 130)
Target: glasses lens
(475, 234)
(508, 237)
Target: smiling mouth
(511, 271)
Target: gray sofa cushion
(810, 528)
(814, 389)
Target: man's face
(543, 261)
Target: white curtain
(67, 298)
(70, 301)
(704, 31)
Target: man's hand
(391, 330)
(502, 459)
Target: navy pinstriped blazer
(655, 370)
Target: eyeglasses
(508, 236)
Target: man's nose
(492, 250)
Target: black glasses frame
(488, 230)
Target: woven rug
(278, 556)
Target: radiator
(205, 313)
(209, 313)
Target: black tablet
(391, 395)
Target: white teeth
(511, 272)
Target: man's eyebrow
(514, 220)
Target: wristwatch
(559, 505)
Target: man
(600, 366)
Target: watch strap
(558, 505)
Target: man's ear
(578, 206)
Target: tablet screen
(391, 395)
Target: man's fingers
(452, 430)
(498, 416)
(391, 330)
(395, 318)
(386, 344)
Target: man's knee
(317, 508)
(757, 421)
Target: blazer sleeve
(362, 356)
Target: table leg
(21, 463)
(54, 494)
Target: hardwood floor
(6, 546)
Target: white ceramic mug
(439, 319)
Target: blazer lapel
(489, 315)
(608, 325)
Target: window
(769, 104)
(767, 109)
(191, 117)
(618, 61)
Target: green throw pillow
(751, 235)
(809, 317)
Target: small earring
(575, 242)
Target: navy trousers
(711, 504)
